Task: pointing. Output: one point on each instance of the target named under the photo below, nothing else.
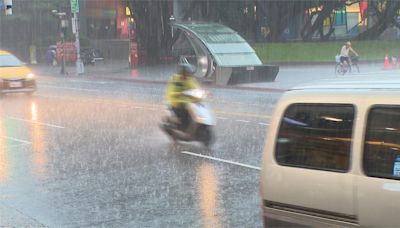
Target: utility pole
(75, 29)
(2, 7)
(62, 29)
(5, 5)
(64, 25)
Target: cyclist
(344, 53)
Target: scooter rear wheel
(168, 131)
(205, 135)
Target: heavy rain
(93, 132)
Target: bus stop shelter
(220, 54)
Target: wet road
(89, 153)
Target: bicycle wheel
(356, 67)
(339, 69)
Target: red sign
(68, 49)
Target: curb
(322, 63)
(164, 82)
(233, 87)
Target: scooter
(201, 120)
(90, 56)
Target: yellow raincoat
(175, 86)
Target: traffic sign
(74, 6)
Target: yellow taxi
(15, 77)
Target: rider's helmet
(185, 69)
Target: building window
(316, 136)
(101, 28)
(382, 143)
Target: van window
(382, 143)
(316, 136)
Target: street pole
(63, 25)
(1, 26)
(172, 21)
(80, 69)
(75, 29)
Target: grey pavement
(113, 70)
(10, 217)
(101, 160)
(288, 76)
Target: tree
(35, 19)
(152, 20)
(239, 15)
(153, 28)
(315, 21)
(386, 12)
(279, 14)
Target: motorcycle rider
(181, 81)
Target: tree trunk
(153, 28)
(327, 9)
(386, 17)
(280, 14)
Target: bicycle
(343, 68)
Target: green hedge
(300, 52)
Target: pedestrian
(51, 56)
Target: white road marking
(18, 145)
(379, 72)
(17, 140)
(265, 124)
(36, 122)
(131, 105)
(102, 102)
(91, 82)
(70, 88)
(221, 160)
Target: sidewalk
(288, 76)
(110, 70)
(119, 70)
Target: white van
(332, 156)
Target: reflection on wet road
(38, 144)
(208, 188)
(95, 157)
(4, 161)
